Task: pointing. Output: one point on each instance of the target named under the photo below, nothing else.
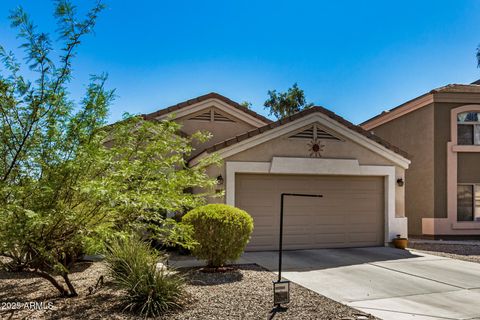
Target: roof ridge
(211, 95)
(280, 122)
(441, 89)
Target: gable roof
(211, 95)
(419, 102)
(301, 114)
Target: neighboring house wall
(439, 163)
(442, 137)
(414, 133)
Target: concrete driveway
(386, 282)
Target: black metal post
(280, 240)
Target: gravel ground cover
(245, 293)
(465, 251)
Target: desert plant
(222, 232)
(61, 190)
(151, 291)
(167, 233)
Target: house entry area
(350, 214)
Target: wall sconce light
(400, 182)
(220, 180)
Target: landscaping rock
(244, 293)
(467, 251)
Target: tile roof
(302, 114)
(450, 88)
(212, 95)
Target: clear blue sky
(354, 57)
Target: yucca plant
(151, 291)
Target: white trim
(450, 225)
(282, 165)
(299, 123)
(213, 102)
(420, 102)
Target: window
(468, 202)
(468, 128)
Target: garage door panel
(261, 211)
(351, 213)
(297, 220)
(363, 236)
(297, 239)
(328, 220)
(329, 238)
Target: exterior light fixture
(220, 180)
(400, 182)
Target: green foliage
(246, 104)
(169, 232)
(48, 142)
(150, 290)
(284, 104)
(222, 232)
(61, 189)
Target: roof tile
(212, 95)
(302, 114)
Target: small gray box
(281, 292)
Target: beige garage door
(350, 214)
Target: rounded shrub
(222, 232)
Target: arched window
(468, 128)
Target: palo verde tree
(284, 104)
(60, 187)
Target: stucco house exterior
(314, 152)
(441, 131)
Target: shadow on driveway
(319, 259)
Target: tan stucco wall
(220, 130)
(468, 167)
(414, 133)
(442, 136)
(285, 147)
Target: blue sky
(356, 58)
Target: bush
(222, 232)
(150, 291)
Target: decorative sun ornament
(316, 148)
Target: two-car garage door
(350, 214)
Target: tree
(60, 187)
(284, 104)
(246, 104)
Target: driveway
(388, 283)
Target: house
(441, 131)
(312, 152)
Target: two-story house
(441, 131)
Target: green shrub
(222, 232)
(150, 291)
